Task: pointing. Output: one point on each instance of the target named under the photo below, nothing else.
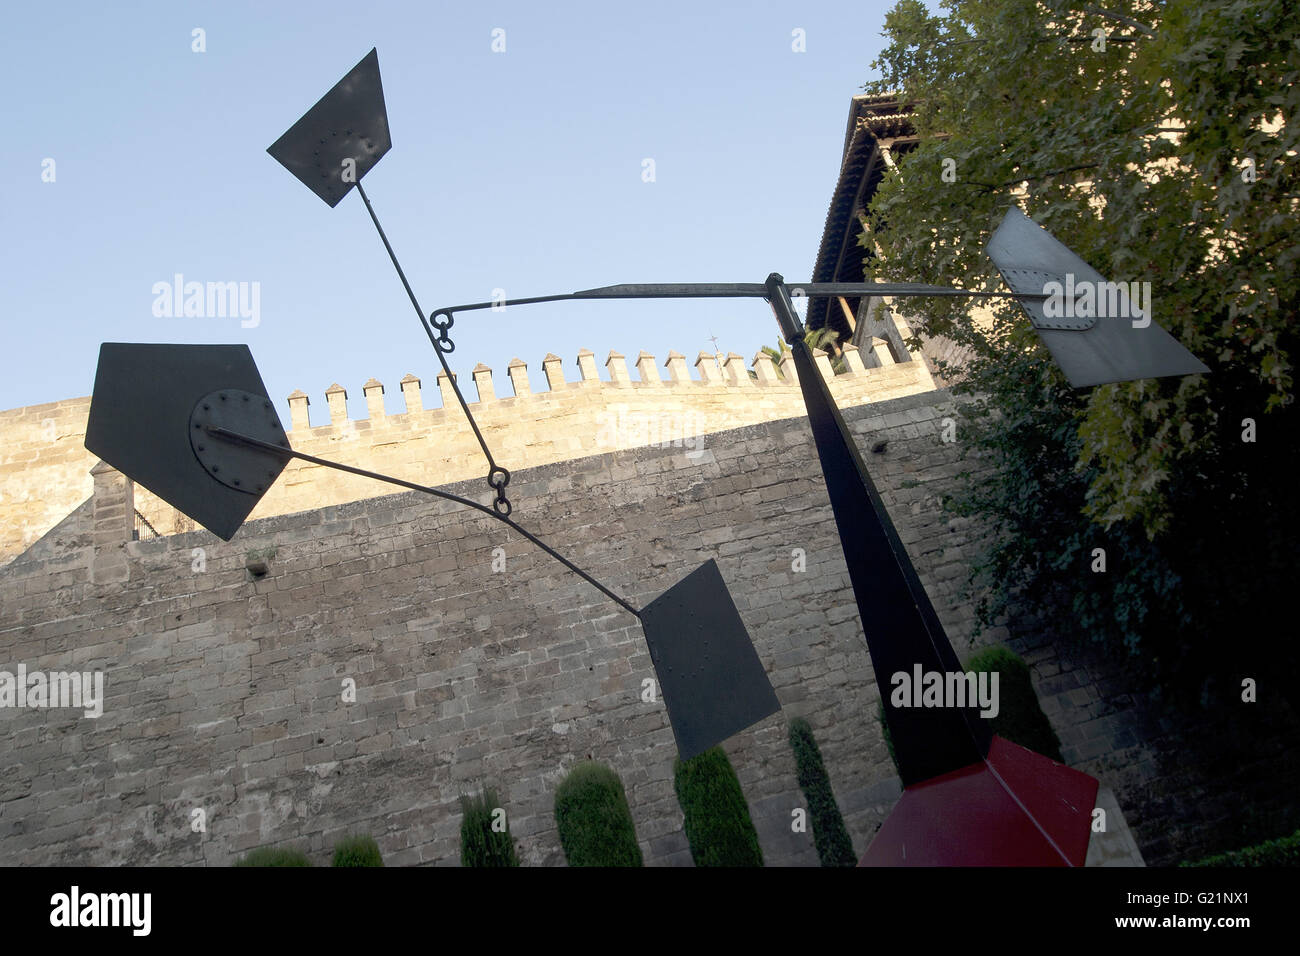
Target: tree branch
(1028, 179)
(1129, 21)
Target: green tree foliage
(1166, 157)
(830, 836)
(828, 340)
(718, 826)
(274, 856)
(593, 818)
(774, 353)
(358, 851)
(482, 843)
(1281, 852)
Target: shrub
(1284, 851)
(480, 845)
(358, 851)
(834, 848)
(594, 820)
(274, 856)
(718, 827)
(1020, 719)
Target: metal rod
(392, 255)
(226, 434)
(492, 465)
(464, 406)
(749, 290)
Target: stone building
(879, 132)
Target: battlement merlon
(714, 371)
(45, 467)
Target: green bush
(1020, 719)
(718, 827)
(480, 845)
(593, 818)
(834, 848)
(358, 851)
(1284, 851)
(274, 856)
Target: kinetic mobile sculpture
(194, 425)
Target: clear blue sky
(519, 170)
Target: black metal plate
(140, 423)
(242, 467)
(348, 122)
(713, 683)
(1111, 349)
(1033, 282)
(899, 622)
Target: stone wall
(44, 468)
(1191, 783)
(224, 691)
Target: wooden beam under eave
(848, 313)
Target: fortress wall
(224, 691)
(417, 431)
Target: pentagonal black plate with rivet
(1037, 282)
(243, 467)
(1116, 345)
(342, 137)
(713, 683)
(140, 424)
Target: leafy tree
(825, 338)
(1164, 155)
(774, 353)
(828, 340)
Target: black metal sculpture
(713, 683)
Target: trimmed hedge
(594, 820)
(358, 851)
(1020, 719)
(480, 845)
(830, 836)
(718, 826)
(1284, 851)
(274, 856)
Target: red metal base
(1016, 808)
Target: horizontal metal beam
(746, 290)
(676, 290)
(898, 290)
